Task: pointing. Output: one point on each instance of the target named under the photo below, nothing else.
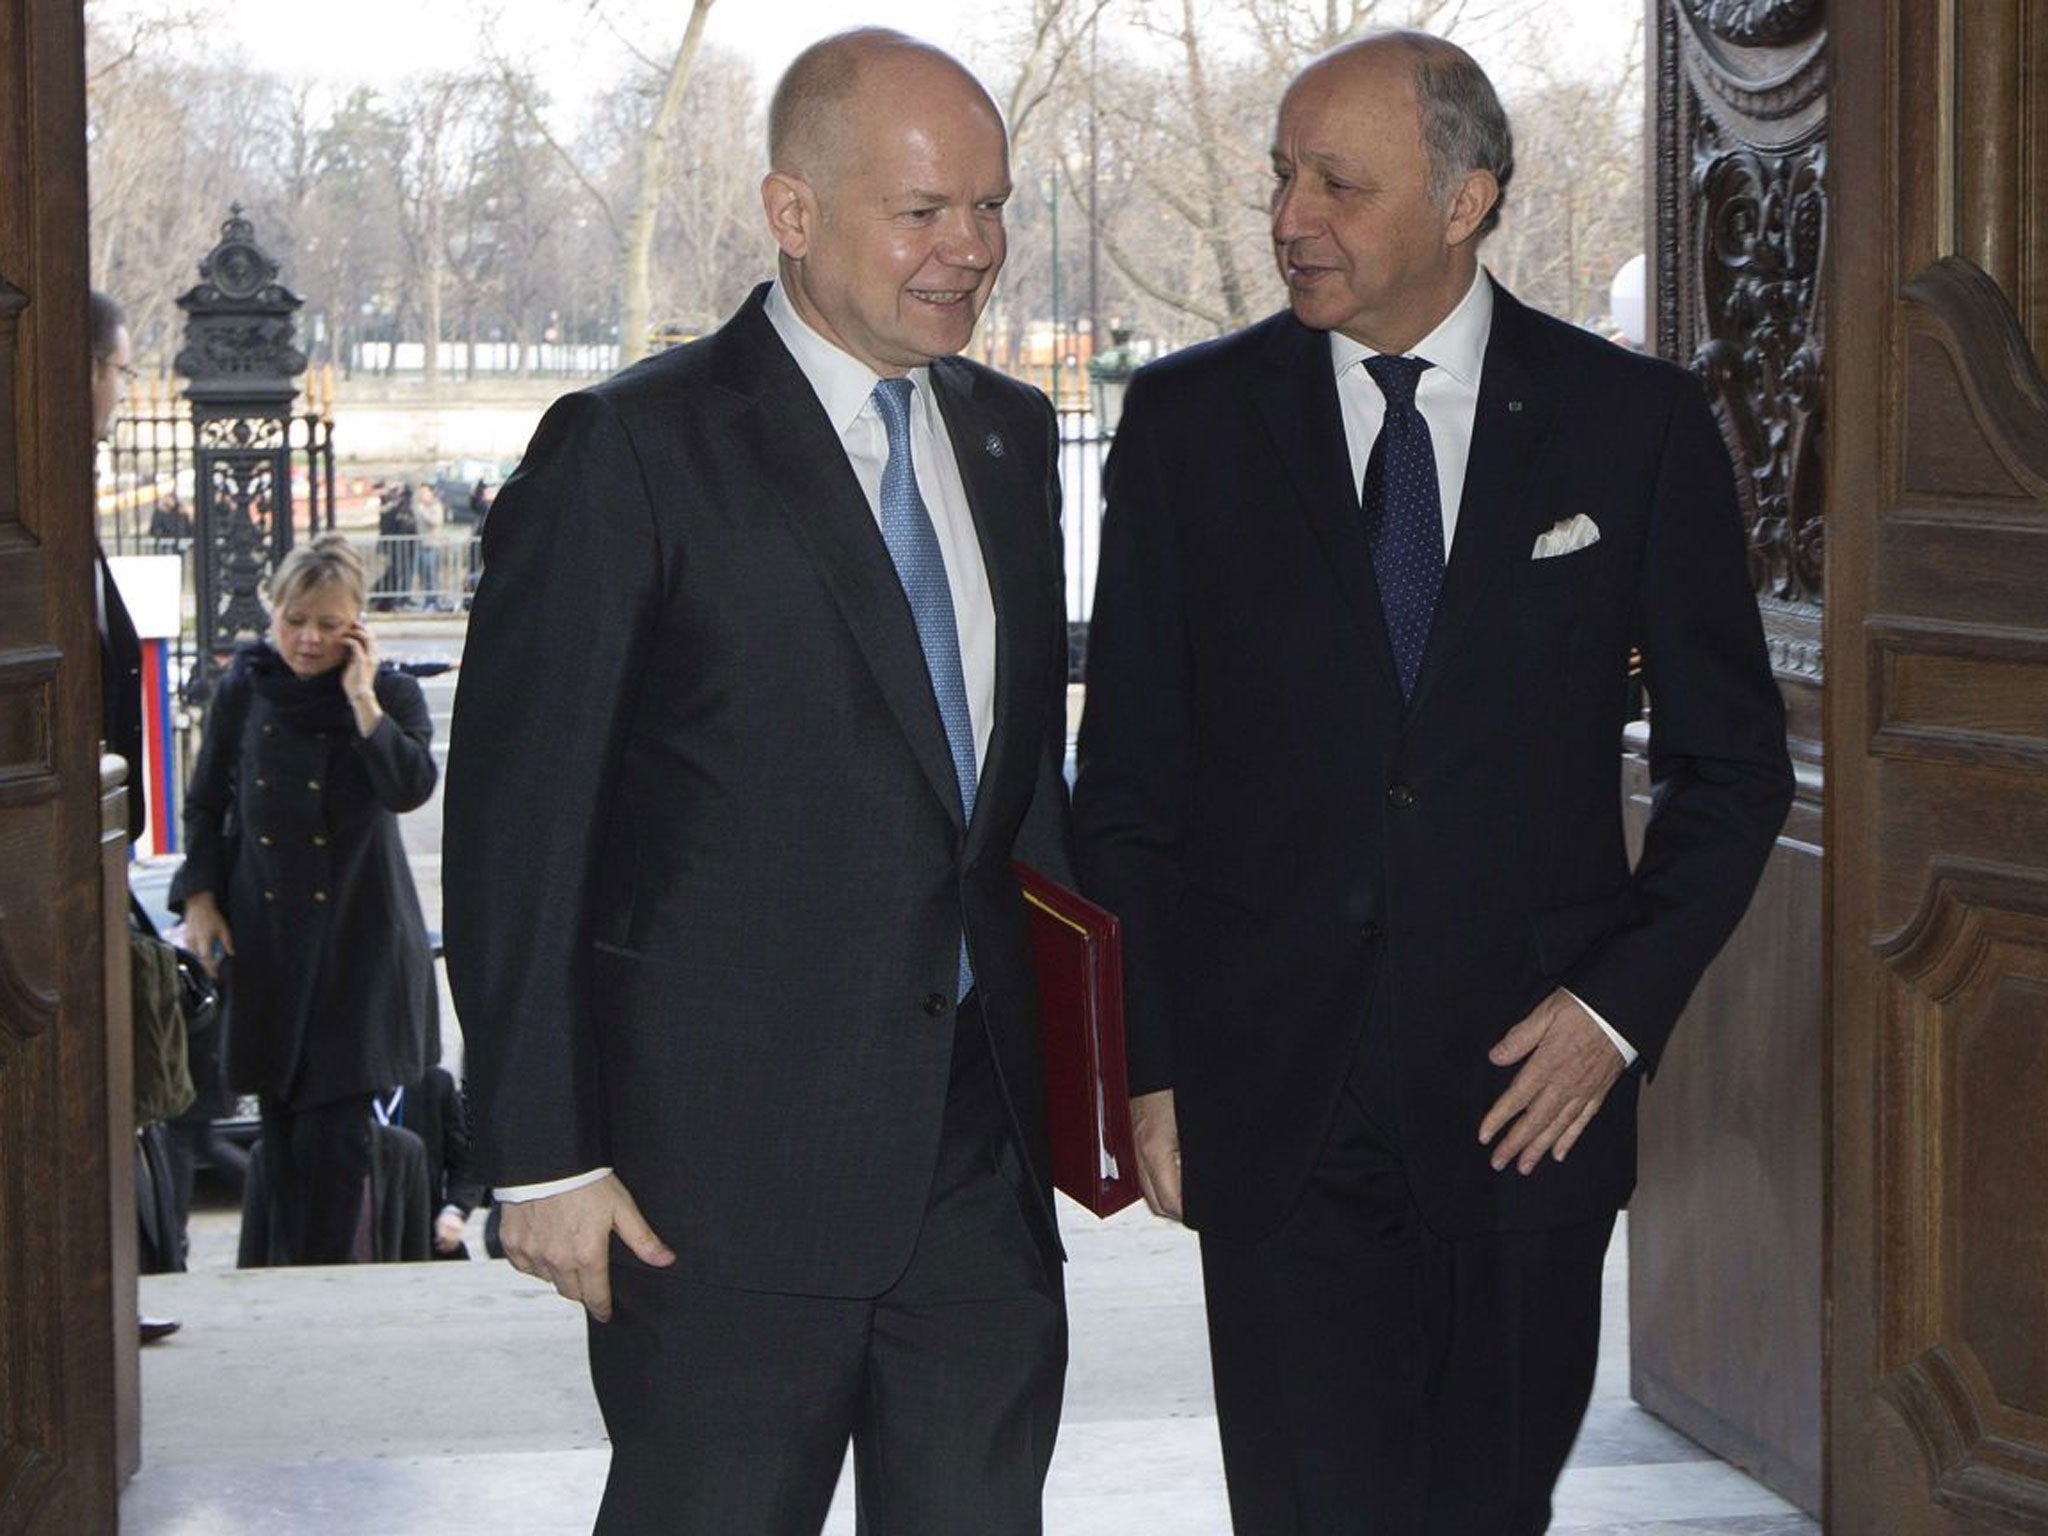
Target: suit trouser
(730, 1411)
(1376, 1379)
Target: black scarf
(308, 704)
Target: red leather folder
(1081, 1016)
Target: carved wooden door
(1728, 1208)
(66, 1203)
(1937, 631)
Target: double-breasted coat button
(934, 1004)
(261, 782)
(1370, 933)
(270, 895)
(269, 730)
(319, 839)
(1400, 797)
(265, 839)
(314, 785)
(319, 895)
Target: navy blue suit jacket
(1290, 846)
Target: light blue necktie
(914, 546)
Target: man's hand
(1158, 1142)
(565, 1240)
(1568, 1064)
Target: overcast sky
(370, 40)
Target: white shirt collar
(1457, 345)
(843, 382)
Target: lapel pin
(993, 445)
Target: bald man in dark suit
(763, 693)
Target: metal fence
(148, 491)
(146, 497)
(421, 573)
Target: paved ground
(436, 1398)
(425, 1398)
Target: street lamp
(1052, 183)
(1109, 376)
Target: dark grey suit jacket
(705, 869)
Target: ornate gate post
(241, 364)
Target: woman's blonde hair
(329, 561)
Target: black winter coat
(295, 830)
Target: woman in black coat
(294, 873)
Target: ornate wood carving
(25, 1008)
(1728, 1200)
(1976, 403)
(28, 679)
(12, 302)
(1741, 221)
(1968, 1366)
(66, 1138)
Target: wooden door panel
(1938, 774)
(66, 1208)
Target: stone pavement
(401, 1399)
(437, 1398)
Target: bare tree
(1575, 211)
(636, 223)
(438, 113)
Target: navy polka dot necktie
(1404, 515)
(914, 547)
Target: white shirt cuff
(512, 1194)
(1628, 1052)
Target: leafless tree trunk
(654, 150)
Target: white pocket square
(1567, 537)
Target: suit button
(270, 895)
(319, 839)
(265, 839)
(319, 895)
(314, 785)
(1370, 933)
(262, 783)
(1400, 797)
(934, 1005)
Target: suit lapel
(801, 464)
(1299, 403)
(1517, 406)
(990, 467)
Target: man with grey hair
(1371, 574)
(763, 692)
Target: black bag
(205, 1042)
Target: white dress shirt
(845, 386)
(1447, 395)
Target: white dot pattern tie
(1404, 517)
(914, 547)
